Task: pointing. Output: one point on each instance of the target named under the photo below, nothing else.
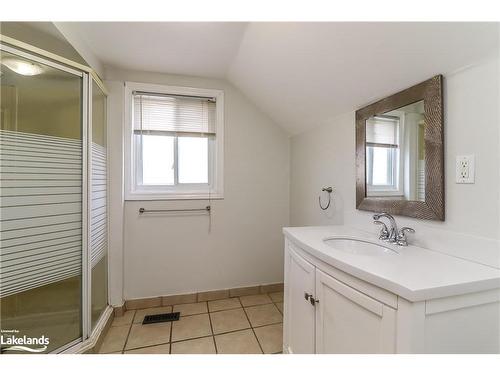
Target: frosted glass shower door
(98, 205)
(41, 201)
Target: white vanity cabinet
(299, 311)
(348, 321)
(338, 316)
(350, 315)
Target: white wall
(325, 156)
(165, 255)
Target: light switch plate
(465, 169)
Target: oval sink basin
(359, 247)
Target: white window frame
(397, 189)
(215, 188)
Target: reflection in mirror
(395, 154)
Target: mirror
(399, 153)
(395, 154)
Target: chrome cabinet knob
(310, 298)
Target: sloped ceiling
(191, 48)
(300, 74)
(43, 35)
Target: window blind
(382, 131)
(159, 113)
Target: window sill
(384, 193)
(171, 196)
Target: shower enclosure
(53, 201)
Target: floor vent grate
(161, 318)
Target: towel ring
(329, 191)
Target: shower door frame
(88, 220)
(88, 336)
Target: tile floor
(239, 325)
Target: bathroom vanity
(348, 292)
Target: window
(175, 146)
(383, 154)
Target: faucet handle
(406, 229)
(384, 232)
(401, 240)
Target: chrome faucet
(392, 235)
(384, 232)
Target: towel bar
(207, 208)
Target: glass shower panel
(98, 215)
(40, 202)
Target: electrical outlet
(465, 169)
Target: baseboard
(211, 295)
(119, 310)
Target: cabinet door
(299, 313)
(348, 321)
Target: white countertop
(416, 274)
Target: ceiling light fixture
(25, 68)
